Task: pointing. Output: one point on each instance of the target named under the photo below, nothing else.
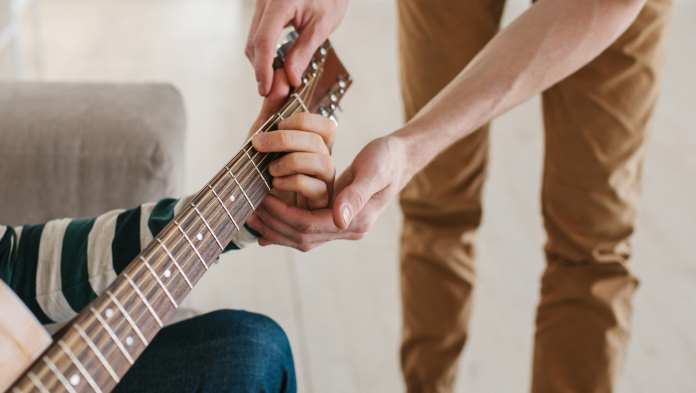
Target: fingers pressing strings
(309, 121)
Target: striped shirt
(58, 267)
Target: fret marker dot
(74, 379)
(167, 273)
(109, 313)
(232, 198)
(129, 341)
(199, 236)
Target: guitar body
(22, 338)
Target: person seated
(58, 267)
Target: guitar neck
(104, 340)
(99, 346)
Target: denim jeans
(223, 352)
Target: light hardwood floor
(340, 303)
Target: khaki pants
(595, 132)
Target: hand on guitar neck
(303, 176)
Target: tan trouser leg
(595, 137)
(442, 204)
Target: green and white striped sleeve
(58, 267)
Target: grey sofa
(80, 149)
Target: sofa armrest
(79, 149)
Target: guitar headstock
(325, 81)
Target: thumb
(351, 200)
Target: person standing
(596, 64)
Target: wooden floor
(340, 303)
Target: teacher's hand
(314, 20)
(363, 191)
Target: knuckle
(291, 161)
(301, 182)
(328, 163)
(262, 43)
(304, 227)
(318, 142)
(304, 246)
(283, 138)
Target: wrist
(416, 154)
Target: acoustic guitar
(98, 346)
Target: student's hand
(306, 170)
(304, 175)
(363, 190)
(314, 20)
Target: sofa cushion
(76, 149)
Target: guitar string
(243, 174)
(90, 325)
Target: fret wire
(112, 334)
(288, 107)
(244, 176)
(79, 366)
(200, 257)
(223, 206)
(37, 382)
(236, 184)
(142, 297)
(301, 102)
(52, 366)
(257, 169)
(240, 188)
(161, 284)
(174, 261)
(247, 180)
(195, 208)
(97, 352)
(130, 321)
(295, 99)
(243, 183)
(168, 233)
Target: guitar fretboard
(99, 346)
(105, 339)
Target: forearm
(550, 41)
(56, 268)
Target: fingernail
(345, 212)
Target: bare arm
(548, 42)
